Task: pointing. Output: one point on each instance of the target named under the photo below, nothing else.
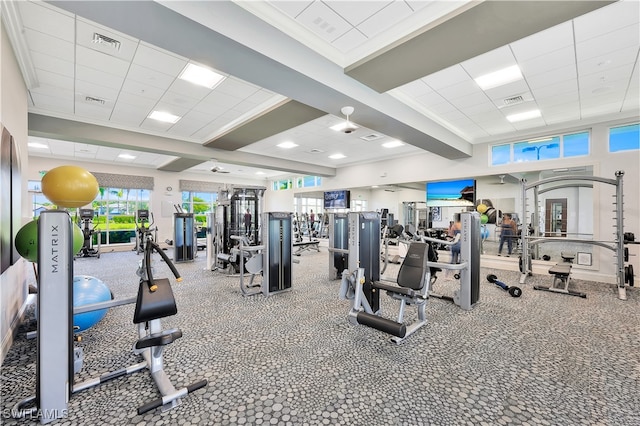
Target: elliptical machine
(88, 230)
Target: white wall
(13, 115)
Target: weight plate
(630, 267)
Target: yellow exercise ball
(69, 186)
(482, 208)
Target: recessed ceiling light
(337, 156)
(127, 156)
(344, 125)
(499, 78)
(392, 144)
(201, 76)
(260, 173)
(375, 186)
(527, 115)
(164, 117)
(287, 145)
(37, 145)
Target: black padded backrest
(154, 305)
(414, 267)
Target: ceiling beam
(462, 35)
(75, 131)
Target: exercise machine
(411, 288)
(529, 242)
(184, 237)
(562, 277)
(468, 270)
(338, 230)
(57, 360)
(273, 259)
(144, 225)
(88, 231)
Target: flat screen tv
(337, 199)
(451, 193)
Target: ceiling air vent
(106, 41)
(316, 151)
(514, 100)
(92, 100)
(371, 137)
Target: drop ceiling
(108, 65)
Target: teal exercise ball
(484, 232)
(88, 290)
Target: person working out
(454, 230)
(507, 232)
(247, 222)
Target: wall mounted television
(451, 193)
(337, 199)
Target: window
(300, 182)
(199, 203)
(500, 154)
(625, 138)
(549, 148)
(546, 149)
(575, 145)
(116, 212)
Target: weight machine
(57, 360)
(88, 230)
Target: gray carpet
(292, 358)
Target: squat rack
(617, 246)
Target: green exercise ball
(26, 240)
(484, 218)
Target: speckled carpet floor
(293, 359)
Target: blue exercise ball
(88, 290)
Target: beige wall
(13, 115)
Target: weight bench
(412, 288)
(562, 277)
(302, 246)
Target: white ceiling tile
(447, 77)
(54, 91)
(60, 147)
(96, 91)
(292, 8)
(611, 60)
(107, 153)
(52, 64)
(462, 89)
(53, 103)
(529, 124)
(323, 21)
(601, 46)
(153, 57)
(469, 100)
(632, 101)
(415, 88)
(150, 76)
(47, 78)
(560, 114)
(185, 128)
(244, 106)
(47, 19)
(618, 76)
(85, 33)
(85, 148)
(350, 40)
(430, 98)
(171, 108)
(91, 111)
(355, 12)
(189, 89)
(509, 90)
(601, 109)
(105, 63)
(135, 101)
(552, 77)
(558, 88)
(488, 117)
(543, 63)
(220, 100)
(442, 108)
(393, 13)
(179, 100)
(479, 108)
(136, 88)
(543, 42)
(106, 79)
(489, 62)
(601, 21)
(560, 99)
(155, 125)
(50, 45)
(236, 87)
(128, 114)
(261, 96)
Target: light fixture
(392, 144)
(127, 156)
(527, 115)
(347, 126)
(337, 156)
(164, 117)
(547, 139)
(499, 78)
(201, 76)
(37, 145)
(287, 145)
(260, 173)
